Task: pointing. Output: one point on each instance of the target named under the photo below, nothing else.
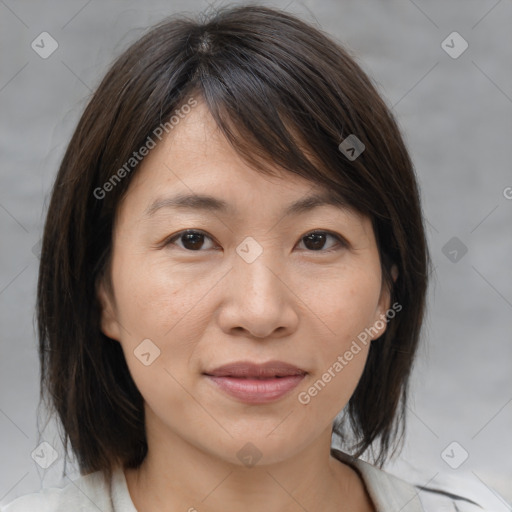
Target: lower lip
(257, 391)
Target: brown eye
(191, 240)
(316, 241)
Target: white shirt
(91, 493)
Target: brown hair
(283, 94)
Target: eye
(316, 240)
(194, 240)
(191, 239)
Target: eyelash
(341, 242)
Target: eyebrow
(210, 203)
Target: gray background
(456, 116)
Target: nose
(257, 300)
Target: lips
(253, 383)
(248, 370)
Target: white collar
(388, 492)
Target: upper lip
(249, 369)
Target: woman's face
(250, 285)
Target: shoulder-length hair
(285, 95)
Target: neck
(179, 476)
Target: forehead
(195, 167)
(196, 156)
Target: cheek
(347, 306)
(156, 311)
(153, 297)
(328, 390)
(341, 364)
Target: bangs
(271, 104)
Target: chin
(254, 446)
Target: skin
(206, 307)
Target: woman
(234, 253)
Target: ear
(380, 321)
(108, 321)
